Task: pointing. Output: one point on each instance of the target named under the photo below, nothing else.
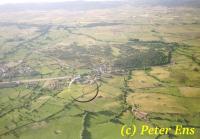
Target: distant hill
(89, 5)
(168, 3)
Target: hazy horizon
(43, 1)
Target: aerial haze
(88, 69)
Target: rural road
(36, 80)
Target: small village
(7, 75)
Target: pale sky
(39, 1)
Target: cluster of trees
(154, 44)
(85, 134)
(142, 59)
(157, 53)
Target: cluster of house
(3, 71)
(140, 114)
(7, 72)
(102, 70)
(106, 69)
(24, 70)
